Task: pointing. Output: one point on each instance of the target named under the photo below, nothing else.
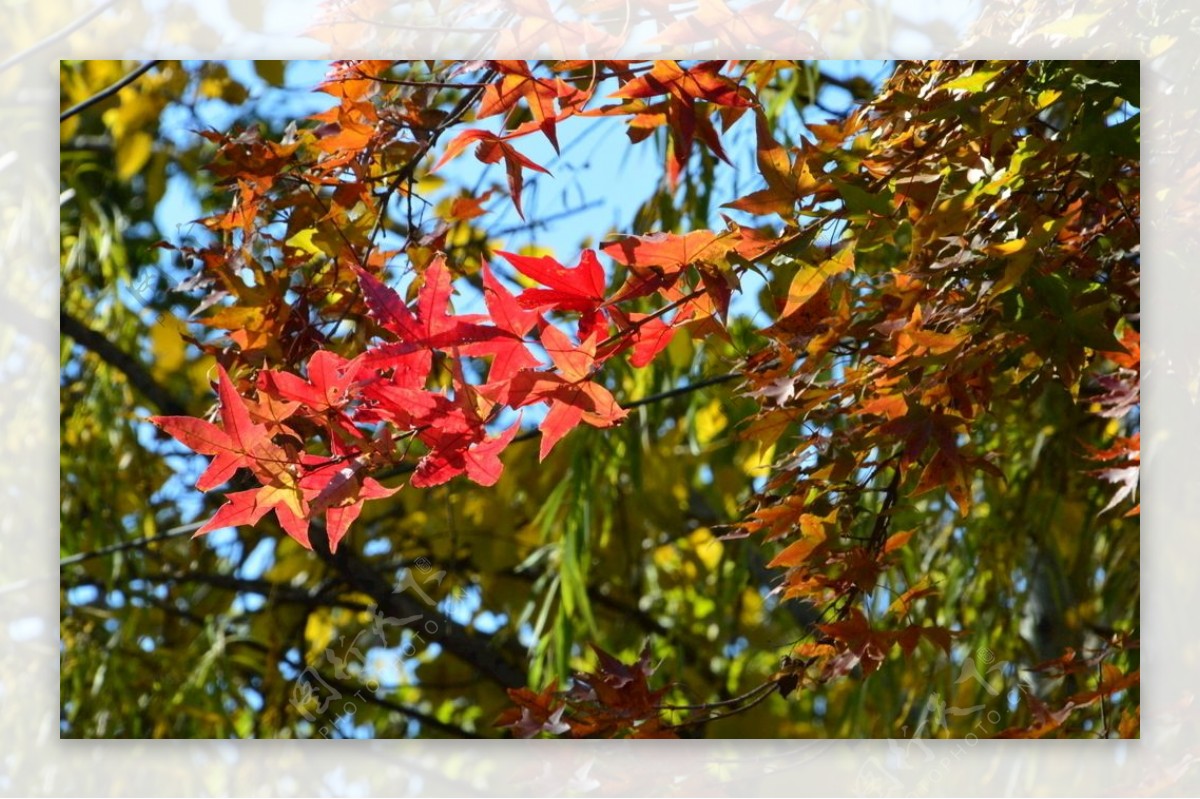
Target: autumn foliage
(941, 262)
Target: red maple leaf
(647, 335)
(572, 395)
(336, 486)
(239, 442)
(327, 388)
(508, 349)
(579, 289)
(332, 485)
(406, 407)
(462, 449)
(248, 507)
(432, 326)
(491, 149)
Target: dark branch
(137, 543)
(424, 719)
(478, 649)
(681, 390)
(104, 94)
(276, 592)
(341, 686)
(114, 356)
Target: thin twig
(62, 33)
(737, 700)
(104, 94)
(137, 543)
(771, 687)
(407, 171)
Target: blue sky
(596, 155)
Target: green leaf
(860, 202)
(976, 81)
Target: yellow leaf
(758, 464)
(809, 280)
(1007, 248)
(707, 547)
(1047, 98)
(133, 151)
(428, 184)
(318, 634)
(1074, 27)
(974, 82)
(709, 421)
(136, 111)
(304, 241)
(168, 348)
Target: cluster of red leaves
(371, 407)
(615, 701)
(1105, 678)
(687, 94)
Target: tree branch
(117, 358)
(104, 94)
(477, 649)
(137, 543)
(339, 685)
(276, 592)
(424, 719)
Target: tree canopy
(804, 403)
